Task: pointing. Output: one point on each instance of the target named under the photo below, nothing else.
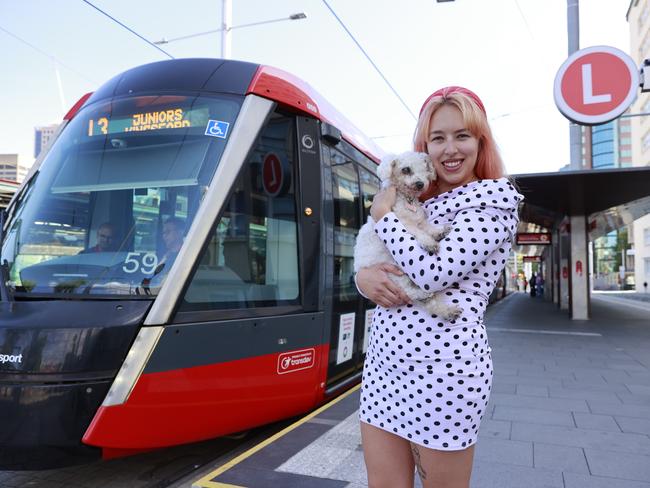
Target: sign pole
(573, 35)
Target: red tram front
(179, 265)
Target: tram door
(251, 302)
(352, 191)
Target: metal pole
(226, 25)
(573, 34)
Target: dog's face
(410, 172)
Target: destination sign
(173, 118)
(539, 238)
(532, 259)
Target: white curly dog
(410, 173)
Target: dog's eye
(406, 171)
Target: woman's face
(452, 148)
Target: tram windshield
(107, 212)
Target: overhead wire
(46, 54)
(128, 28)
(370, 60)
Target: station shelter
(565, 210)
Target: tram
(179, 265)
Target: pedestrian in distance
(533, 286)
(426, 380)
(539, 281)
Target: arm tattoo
(418, 462)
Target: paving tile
(262, 478)
(626, 410)
(560, 404)
(634, 399)
(638, 389)
(628, 366)
(617, 376)
(533, 415)
(499, 429)
(499, 387)
(582, 394)
(618, 465)
(314, 460)
(595, 422)
(532, 390)
(575, 480)
(497, 475)
(561, 458)
(631, 424)
(595, 386)
(638, 378)
(588, 376)
(351, 468)
(504, 451)
(528, 381)
(570, 436)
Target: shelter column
(565, 251)
(555, 267)
(579, 268)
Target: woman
(426, 381)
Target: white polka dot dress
(425, 378)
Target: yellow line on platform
(206, 481)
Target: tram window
(369, 188)
(251, 259)
(346, 225)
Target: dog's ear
(430, 167)
(385, 168)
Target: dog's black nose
(419, 185)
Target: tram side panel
(246, 344)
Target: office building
(42, 136)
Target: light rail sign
(595, 85)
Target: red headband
(448, 90)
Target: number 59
(145, 262)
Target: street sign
(536, 238)
(532, 259)
(595, 85)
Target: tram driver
(105, 239)
(172, 235)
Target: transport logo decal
(217, 128)
(292, 361)
(11, 358)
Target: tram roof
(610, 198)
(236, 77)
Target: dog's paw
(453, 312)
(432, 247)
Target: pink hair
(489, 164)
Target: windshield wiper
(5, 295)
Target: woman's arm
(476, 237)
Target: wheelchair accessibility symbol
(217, 128)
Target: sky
(507, 51)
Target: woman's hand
(383, 203)
(375, 283)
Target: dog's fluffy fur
(410, 173)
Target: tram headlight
(133, 365)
